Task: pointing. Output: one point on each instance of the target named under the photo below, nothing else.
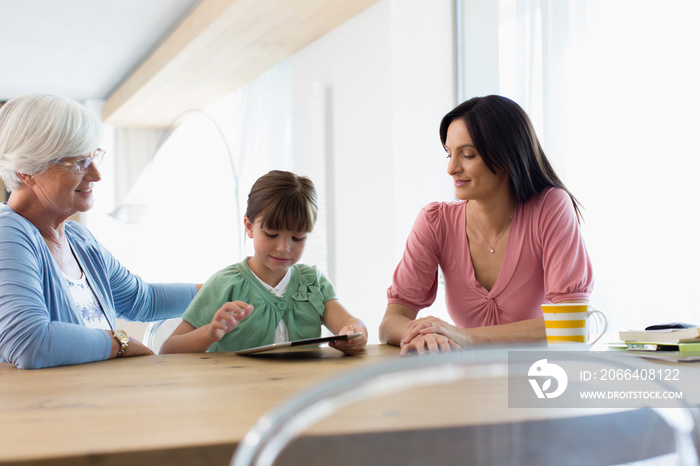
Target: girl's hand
(352, 346)
(227, 318)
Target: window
(192, 195)
(613, 90)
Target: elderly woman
(60, 289)
(511, 242)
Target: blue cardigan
(39, 326)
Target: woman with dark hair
(510, 243)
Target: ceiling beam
(220, 46)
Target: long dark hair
(505, 138)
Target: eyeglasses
(81, 165)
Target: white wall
(364, 103)
(385, 80)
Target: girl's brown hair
(283, 201)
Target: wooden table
(180, 409)
(195, 409)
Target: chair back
(157, 332)
(453, 409)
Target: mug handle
(600, 317)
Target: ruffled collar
(303, 286)
(281, 287)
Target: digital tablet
(296, 345)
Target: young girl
(268, 298)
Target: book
(665, 336)
(674, 356)
(680, 352)
(680, 347)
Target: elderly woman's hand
(134, 348)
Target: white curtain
(613, 88)
(133, 150)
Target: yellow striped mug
(568, 323)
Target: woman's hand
(227, 318)
(429, 344)
(429, 334)
(352, 346)
(415, 327)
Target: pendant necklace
(491, 246)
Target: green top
(301, 308)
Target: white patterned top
(88, 306)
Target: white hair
(39, 129)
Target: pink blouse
(545, 260)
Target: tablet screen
(297, 344)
